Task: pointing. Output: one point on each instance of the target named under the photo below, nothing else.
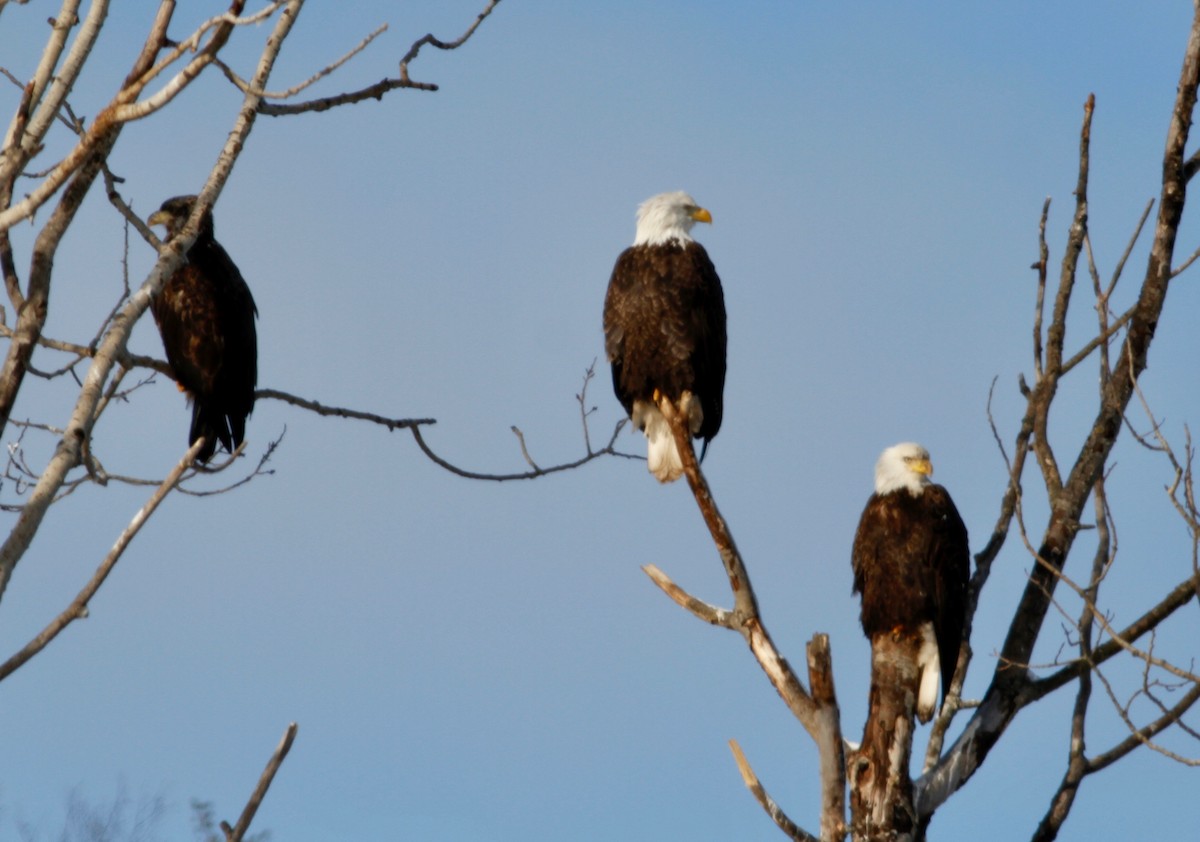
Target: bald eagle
(911, 564)
(205, 314)
(664, 329)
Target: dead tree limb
(238, 831)
(1068, 493)
(817, 711)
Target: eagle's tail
(929, 668)
(210, 422)
(662, 454)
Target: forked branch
(817, 711)
(1069, 491)
(378, 90)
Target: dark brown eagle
(664, 329)
(205, 314)
(911, 565)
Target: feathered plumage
(664, 329)
(911, 566)
(205, 314)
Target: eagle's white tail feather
(930, 666)
(662, 456)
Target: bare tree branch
(341, 412)
(698, 608)
(768, 803)
(241, 84)
(1179, 596)
(238, 832)
(608, 450)
(31, 316)
(96, 143)
(79, 428)
(385, 86)
(818, 712)
(1064, 798)
(1068, 497)
(1141, 736)
(78, 608)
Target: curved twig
(608, 450)
(768, 803)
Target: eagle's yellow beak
(702, 215)
(159, 217)
(922, 466)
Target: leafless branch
(82, 352)
(608, 450)
(817, 711)
(1115, 637)
(78, 608)
(241, 84)
(238, 832)
(429, 39)
(384, 86)
(1179, 596)
(1143, 736)
(768, 803)
(524, 450)
(1042, 267)
(67, 455)
(341, 412)
(1064, 797)
(585, 411)
(536, 470)
(711, 614)
(94, 146)
(1067, 495)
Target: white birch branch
(112, 346)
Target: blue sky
(487, 661)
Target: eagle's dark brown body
(205, 314)
(911, 565)
(664, 328)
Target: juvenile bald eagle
(205, 314)
(664, 329)
(911, 565)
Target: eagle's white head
(904, 465)
(666, 217)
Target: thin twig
(524, 450)
(244, 87)
(411, 55)
(385, 86)
(1142, 736)
(608, 450)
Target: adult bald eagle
(205, 314)
(911, 565)
(664, 329)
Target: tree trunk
(881, 792)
